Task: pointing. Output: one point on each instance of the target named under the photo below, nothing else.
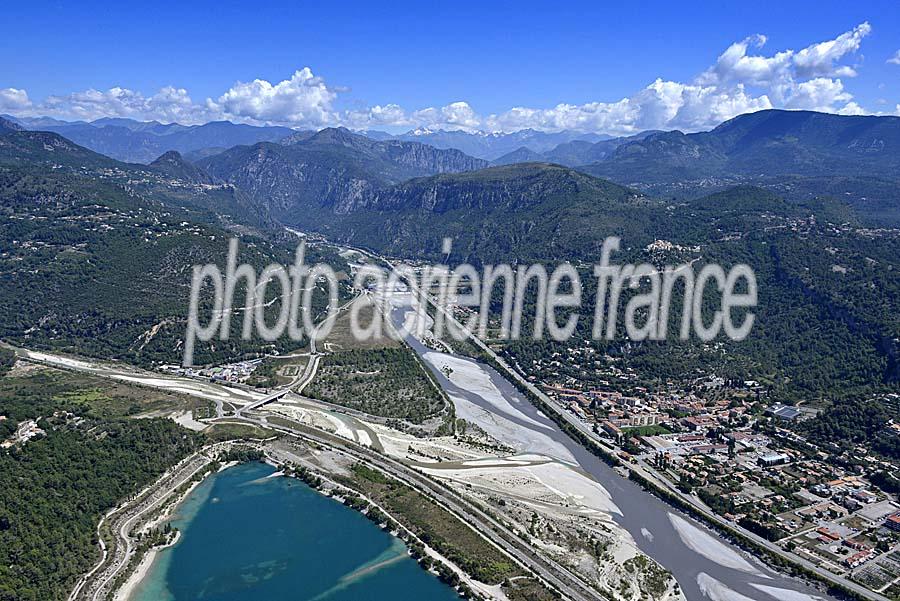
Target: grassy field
(276, 372)
(233, 431)
(341, 336)
(99, 397)
(653, 430)
(528, 589)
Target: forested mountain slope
(97, 255)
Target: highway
(263, 401)
(98, 584)
(651, 475)
(571, 585)
(301, 380)
(644, 471)
(298, 383)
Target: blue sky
(402, 65)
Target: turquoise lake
(250, 537)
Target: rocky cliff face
(508, 188)
(7, 125)
(288, 182)
(138, 142)
(173, 165)
(414, 156)
(331, 171)
(429, 159)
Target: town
(744, 459)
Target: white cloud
(13, 100)
(302, 99)
(781, 74)
(456, 115)
(851, 108)
(169, 104)
(736, 66)
(819, 59)
(895, 60)
(819, 94)
(594, 116)
(737, 83)
(742, 79)
(389, 115)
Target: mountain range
(491, 146)
(816, 228)
(798, 153)
(170, 183)
(573, 153)
(512, 213)
(97, 254)
(762, 144)
(745, 149)
(141, 142)
(329, 170)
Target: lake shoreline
(156, 576)
(139, 573)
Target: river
(704, 564)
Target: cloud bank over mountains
(742, 79)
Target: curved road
(96, 584)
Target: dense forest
(91, 267)
(55, 487)
(857, 422)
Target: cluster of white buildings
(232, 372)
(27, 430)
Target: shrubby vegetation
(388, 382)
(7, 360)
(241, 455)
(94, 266)
(428, 521)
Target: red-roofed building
(893, 522)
